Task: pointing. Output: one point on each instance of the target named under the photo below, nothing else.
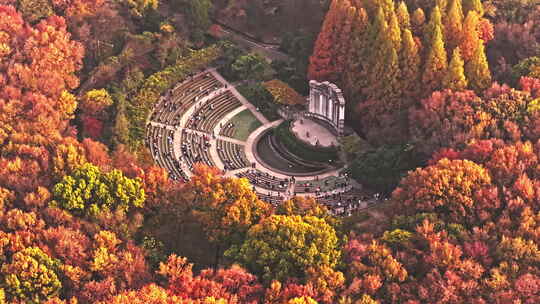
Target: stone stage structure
(326, 103)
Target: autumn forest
(443, 136)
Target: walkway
(242, 99)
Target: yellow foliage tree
(95, 102)
(283, 93)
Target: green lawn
(244, 123)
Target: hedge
(156, 84)
(301, 149)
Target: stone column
(341, 124)
(335, 114)
(330, 110)
(319, 102)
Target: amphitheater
(196, 122)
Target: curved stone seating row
(171, 107)
(265, 180)
(324, 185)
(207, 117)
(195, 148)
(162, 151)
(272, 199)
(344, 202)
(232, 155)
(227, 130)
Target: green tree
(281, 247)
(436, 62)
(199, 11)
(382, 168)
(477, 69)
(396, 237)
(121, 124)
(455, 76)
(528, 67)
(31, 277)
(252, 67)
(352, 144)
(88, 191)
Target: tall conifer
(436, 62)
(418, 21)
(435, 21)
(320, 63)
(394, 31)
(477, 69)
(455, 75)
(443, 5)
(403, 16)
(354, 70)
(384, 61)
(343, 43)
(453, 25)
(410, 65)
(469, 36)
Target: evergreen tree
(320, 63)
(384, 62)
(469, 36)
(354, 71)
(453, 24)
(418, 21)
(410, 65)
(477, 69)
(379, 113)
(436, 62)
(199, 12)
(473, 5)
(387, 6)
(435, 21)
(121, 123)
(455, 76)
(343, 42)
(443, 5)
(403, 16)
(394, 31)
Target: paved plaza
(313, 133)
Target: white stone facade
(326, 103)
